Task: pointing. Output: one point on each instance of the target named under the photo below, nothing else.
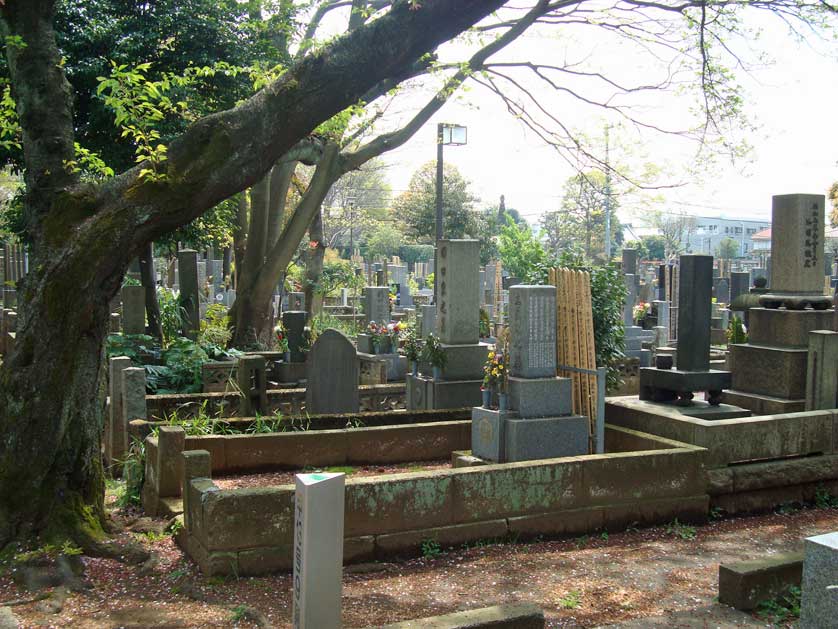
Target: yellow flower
(491, 354)
(494, 372)
(500, 366)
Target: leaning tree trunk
(314, 266)
(152, 307)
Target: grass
(571, 600)
(431, 548)
(678, 529)
(781, 609)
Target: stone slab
(762, 404)
(546, 438)
(541, 397)
(464, 362)
(745, 584)
(797, 237)
(786, 328)
(458, 311)
(684, 381)
(532, 331)
(775, 371)
(488, 433)
(819, 602)
(694, 306)
(517, 616)
(703, 410)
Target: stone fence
(382, 397)
(251, 531)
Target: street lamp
(453, 135)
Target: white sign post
(318, 551)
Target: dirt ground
(662, 577)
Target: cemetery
(253, 376)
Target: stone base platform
(702, 410)
(763, 404)
(795, 302)
(668, 385)
(505, 437)
(424, 393)
(786, 328)
(541, 397)
(774, 371)
(464, 362)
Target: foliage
(48, 552)
(783, 608)
(522, 253)
(215, 328)
(728, 248)
(678, 529)
(416, 253)
(824, 499)
(572, 600)
(485, 324)
(654, 246)
(171, 314)
(675, 229)
(384, 336)
(429, 280)
(337, 274)
(416, 207)
(384, 241)
(736, 332)
(412, 344)
(640, 311)
(324, 321)
(608, 295)
(496, 371)
(281, 336)
(431, 548)
(433, 352)
(581, 219)
(133, 471)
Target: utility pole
(607, 199)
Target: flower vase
(503, 401)
(437, 371)
(414, 367)
(286, 356)
(487, 397)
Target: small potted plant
(434, 354)
(502, 361)
(281, 336)
(640, 311)
(412, 349)
(490, 378)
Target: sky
(791, 100)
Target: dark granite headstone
(333, 375)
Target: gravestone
(377, 304)
(252, 382)
(295, 323)
(692, 362)
(133, 309)
(630, 261)
(318, 551)
(738, 284)
(116, 438)
(333, 377)
(428, 325)
(405, 298)
(187, 261)
(459, 306)
(539, 423)
(133, 399)
(819, 586)
(822, 371)
(797, 256)
(721, 290)
(296, 301)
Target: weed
(581, 542)
(824, 499)
(572, 600)
(48, 551)
(787, 508)
(431, 548)
(677, 529)
(604, 535)
(152, 536)
(782, 608)
(632, 527)
(239, 613)
(133, 471)
(344, 469)
(716, 513)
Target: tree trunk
(152, 308)
(240, 238)
(314, 266)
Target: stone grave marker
(318, 551)
(295, 323)
(190, 299)
(377, 304)
(133, 309)
(333, 375)
(819, 600)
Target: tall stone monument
(187, 262)
(377, 304)
(540, 423)
(692, 362)
(769, 371)
(458, 329)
